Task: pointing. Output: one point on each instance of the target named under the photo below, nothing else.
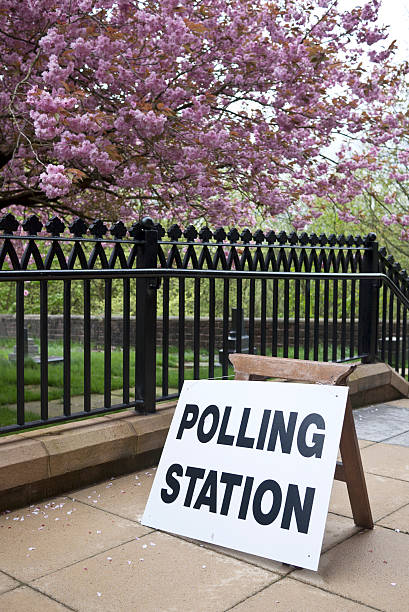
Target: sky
(395, 13)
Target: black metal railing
(392, 344)
(302, 296)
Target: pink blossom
(54, 181)
(389, 219)
(299, 223)
(220, 111)
(347, 216)
(390, 199)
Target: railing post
(369, 303)
(145, 340)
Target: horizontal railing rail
(15, 275)
(38, 275)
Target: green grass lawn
(8, 374)
(8, 416)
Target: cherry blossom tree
(214, 109)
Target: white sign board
(249, 466)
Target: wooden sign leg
(354, 473)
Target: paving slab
(25, 598)
(399, 520)
(380, 422)
(403, 402)
(125, 496)
(169, 574)
(7, 583)
(337, 529)
(365, 443)
(362, 444)
(288, 595)
(387, 460)
(371, 568)
(51, 535)
(268, 564)
(385, 495)
(401, 439)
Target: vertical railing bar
(67, 347)
(397, 335)
(326, 308)
(44, 348)
(107, 343)
(286, 317)
(263, 316)
(226, 307)
(316, 319)
(297, 320)
(146, 321)
(181, 334)
(212, 343)
(196, 330)
(20, 351)
(404, 342)
(239, 302)
(165, 337)
(150, 348)
(274, 321)
(390, 329)
(384, 317)
(138, 384)
(343, 318)
(368, 302)
(126, 332)
(335, 320)
(87, 346)
(352, 320)
(307, 320)
(252, 300)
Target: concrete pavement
(88, 551)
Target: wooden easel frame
(349, 470)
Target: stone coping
(376, 383)
(44, 462)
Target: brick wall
(55, 330)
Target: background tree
(216, 109)
(383, 205)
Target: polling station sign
(249, 466)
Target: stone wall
(55, 330)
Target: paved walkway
(88, 551)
